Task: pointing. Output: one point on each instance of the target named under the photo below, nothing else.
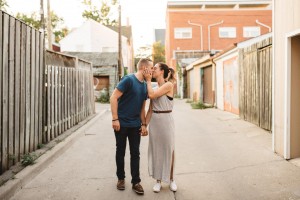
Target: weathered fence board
(23, 90)
(5, 92)
(27, 92)
(32, 94)
(42, 90)
(1, 77)
(17, 88)
(55, 101)
(48, 96)
(11, 97)
(52, 100)
(36, 85)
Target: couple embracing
(130, 120)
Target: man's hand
(144, 131)
(116, 125)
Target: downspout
(209, 32)
(215, 67)
(263, 25)
(201, 32)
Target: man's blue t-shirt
(130, 103)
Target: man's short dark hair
(143, 62)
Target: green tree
(3, 5)
(142, 52)
(56, 23)
(158, 52)
(31, 19)
(60, 34)
(102, 15)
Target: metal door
(231, 85)
(207, 85)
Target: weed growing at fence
(199, 105)
(28, 159)
(39, 146)
(103, 99)
(12, 157)
(189, 101)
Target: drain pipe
(209, 32)
(201, 32)
(215, 82)
(263, 25)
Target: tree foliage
(56, 23)
(158, 52)
(103, 14)
(60, 34)
(3, 5)
(143, 52)
(31, 19)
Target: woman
(161, 127)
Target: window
(227, 32)
(183, 33)
(251, 31)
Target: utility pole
(42, 16)
(120, 68)
(49, 26)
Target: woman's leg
(173, 186)
(172, 166)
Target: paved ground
(218, 156)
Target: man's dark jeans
(134, 138)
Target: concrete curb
(12, 186)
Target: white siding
(78, 40)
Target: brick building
(197, 28)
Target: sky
(143, 15)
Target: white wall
(219, 76)
(94, 37)
(78, 40)
(286, 20)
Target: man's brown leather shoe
(121, 185)
(138, 188)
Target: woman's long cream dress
(161, 139)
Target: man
(128, 120)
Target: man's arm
(114, 109)
(143, 119)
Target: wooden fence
(255, 75)
(37, 102)
(21, 89)
(69, 93)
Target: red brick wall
(232, 18)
